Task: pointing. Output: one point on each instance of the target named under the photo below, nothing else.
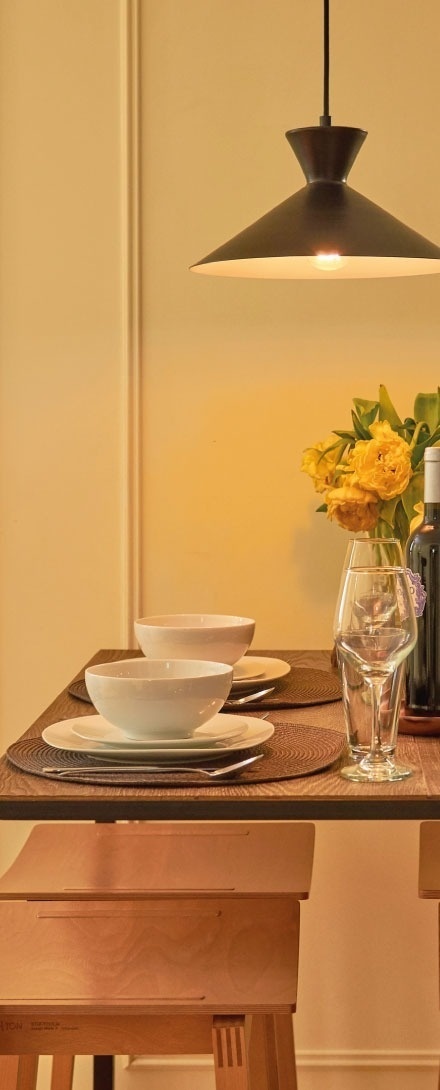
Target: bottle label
(418, 592)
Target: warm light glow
(307, 268)
(328, 262)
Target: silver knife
(63, 770)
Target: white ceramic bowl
(212, 636)
(147, 698)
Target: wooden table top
(324, 795)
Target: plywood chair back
(429, 866)
(149, 977)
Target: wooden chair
(153, 939)
(429, 865)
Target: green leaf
(419, 449)
(412, 495)
(408, 430)
(359, 431)
(331, 446)
(388, 511)
(401, 524)
(399, 527)
(366, 411)
(383, 529)
(427, 408)
(387, 410)
(362, 405)
(369, 418)
(348, 436)
(323, 507)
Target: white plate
(61, 736)
(268, 670)
(246, 669)
(94, 728)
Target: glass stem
(375, 687)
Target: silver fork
(249, 697)
(213, 773)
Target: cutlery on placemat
(232, 701)
(214, 773)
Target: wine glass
(375, 629)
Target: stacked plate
(253, 670)
(94, 735)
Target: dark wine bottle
(423, 557)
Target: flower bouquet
(372, 476)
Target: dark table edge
(372, 809)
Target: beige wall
(61, 360)
(240, 375)
(237, 378)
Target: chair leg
(62, 1072)
(229, 1045)
(103, 1077)
(18, 1072)
(280, 1048)
(258, 1058)
(8, 1072)
(272, 1053)
(27, 1072)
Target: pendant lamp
(327, 230)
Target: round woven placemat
(304, 686)
(79, 689)
(294, 750)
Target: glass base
(370, 770)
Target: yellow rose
(382, 464)
(320, 462)
(353, 508)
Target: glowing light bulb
(328, 262)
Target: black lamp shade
(327, 229)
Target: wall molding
(336, 1059)
(357, 1059)
(130, 128)
(320, 1069)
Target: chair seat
(160, 859)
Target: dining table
(279, 789)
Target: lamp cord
(326, 119)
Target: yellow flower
(352, 507)
(382, 464)
(418, 518)
(320, 462)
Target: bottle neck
(431, 512)
(432, 486)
